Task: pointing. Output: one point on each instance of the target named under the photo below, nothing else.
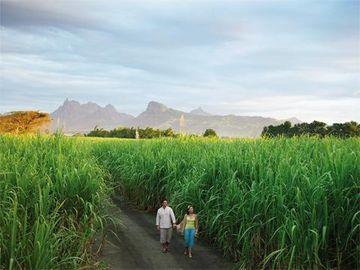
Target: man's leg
(163, 239)
(168, 238)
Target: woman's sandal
(185, 251)
(190, 255)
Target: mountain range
(73, 117)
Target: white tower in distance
(182, 123)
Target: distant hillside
(157, 115)
(24, 122)
(75, 117)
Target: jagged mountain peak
(91, 103)
(73, 116)
(110, 108)
(155, 107)
(69, 102)
(199, 111)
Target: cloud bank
(279, 59)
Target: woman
(189, 225)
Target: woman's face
(191, 210)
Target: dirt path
(137, 247)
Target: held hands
(158, 227)
(178, 228)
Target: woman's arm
(183, 223)
(196, 223)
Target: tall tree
(210, 133)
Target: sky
(276, 59)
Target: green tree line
(124, 132)
(144, 133)
(315, 128)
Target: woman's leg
(186, 237)
(191, 240)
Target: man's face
(164, 204)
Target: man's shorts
(165, 235)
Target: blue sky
(269, 58)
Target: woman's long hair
(188, 208)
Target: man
(165, 221)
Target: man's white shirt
(164, 217)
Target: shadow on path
(135, 245)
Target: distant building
(182, 123)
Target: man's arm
(158, 220)
(173, 217)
